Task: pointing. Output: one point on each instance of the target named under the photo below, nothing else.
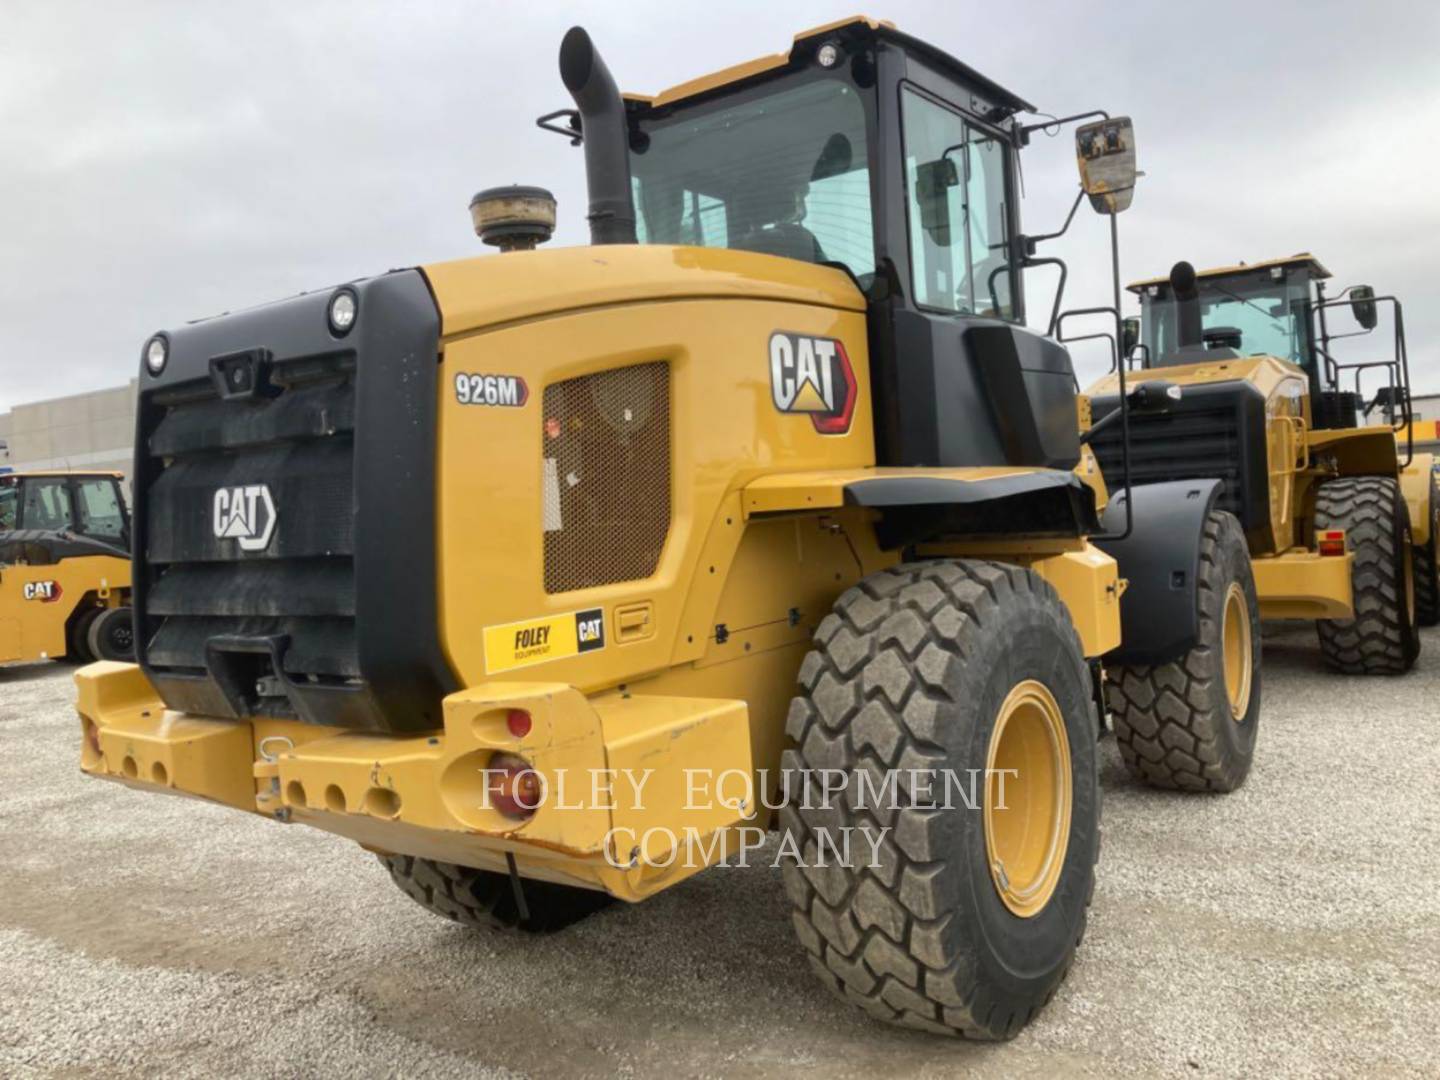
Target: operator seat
(772, 208)
(787, 239)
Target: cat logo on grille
(813, 375)
(245, 514)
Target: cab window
(46, 504)
(958, 211)
(781, 172)
(98, 510)
(9, 505)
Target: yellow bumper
(1304, 585)
(637, 792)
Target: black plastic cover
(1159, 616)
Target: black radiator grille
(1196, 444)
(298, 441)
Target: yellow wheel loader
(64, 567)
(1316, 453)
(557, 576)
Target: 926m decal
(507, 391)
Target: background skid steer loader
(64, 567)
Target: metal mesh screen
(606, 476)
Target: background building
(95, 430)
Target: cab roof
(63, 472)
(1303, 259)
(803, 45)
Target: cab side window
(959, 217)
(99, 513)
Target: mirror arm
(1030, 242)
(1058, 124)
(1110, 419)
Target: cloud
(166, 161)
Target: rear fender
(1159, 617)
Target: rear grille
(299, 443)
(606, 476)
(1191, 445)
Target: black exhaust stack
(1184, 287)
(607, 139)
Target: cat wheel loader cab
(1312, 439)
(559, 575)
(64, 567)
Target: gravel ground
(1291, 928)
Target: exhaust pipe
(606, 139)
(1184, 288)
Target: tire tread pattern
(871, 693)
(484, 899)
(1165, 718)
(1380, 640)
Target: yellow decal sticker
(536, 641)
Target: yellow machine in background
(557, 576)
(64, 567)
(1340, 524)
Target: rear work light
(513, 787)
(1331, 542)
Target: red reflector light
(1332, 543)
(513, 786)
(518, 721)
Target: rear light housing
(513, 787)
(1330, 542)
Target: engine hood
(475, 294)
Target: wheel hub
(1027, 798)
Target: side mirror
(933, 181)
(1362, 303)
(1129, 336)
(1154, 398)
(1105, 154)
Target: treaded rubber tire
(111, 635)
(1427, 580)
(908, 672)
(1382, 639)
(486, 900)
(79, 640)
(1173, 722)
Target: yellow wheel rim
(1027, 798)
(1239, 663)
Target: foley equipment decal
(536, 641)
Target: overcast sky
(165, 161)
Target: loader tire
(1382, 638)
(1427, 580)
(486, 900)
(111, 635)
(1191, 724)
(965, 921)
(79, 643)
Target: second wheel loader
(1339, 513)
